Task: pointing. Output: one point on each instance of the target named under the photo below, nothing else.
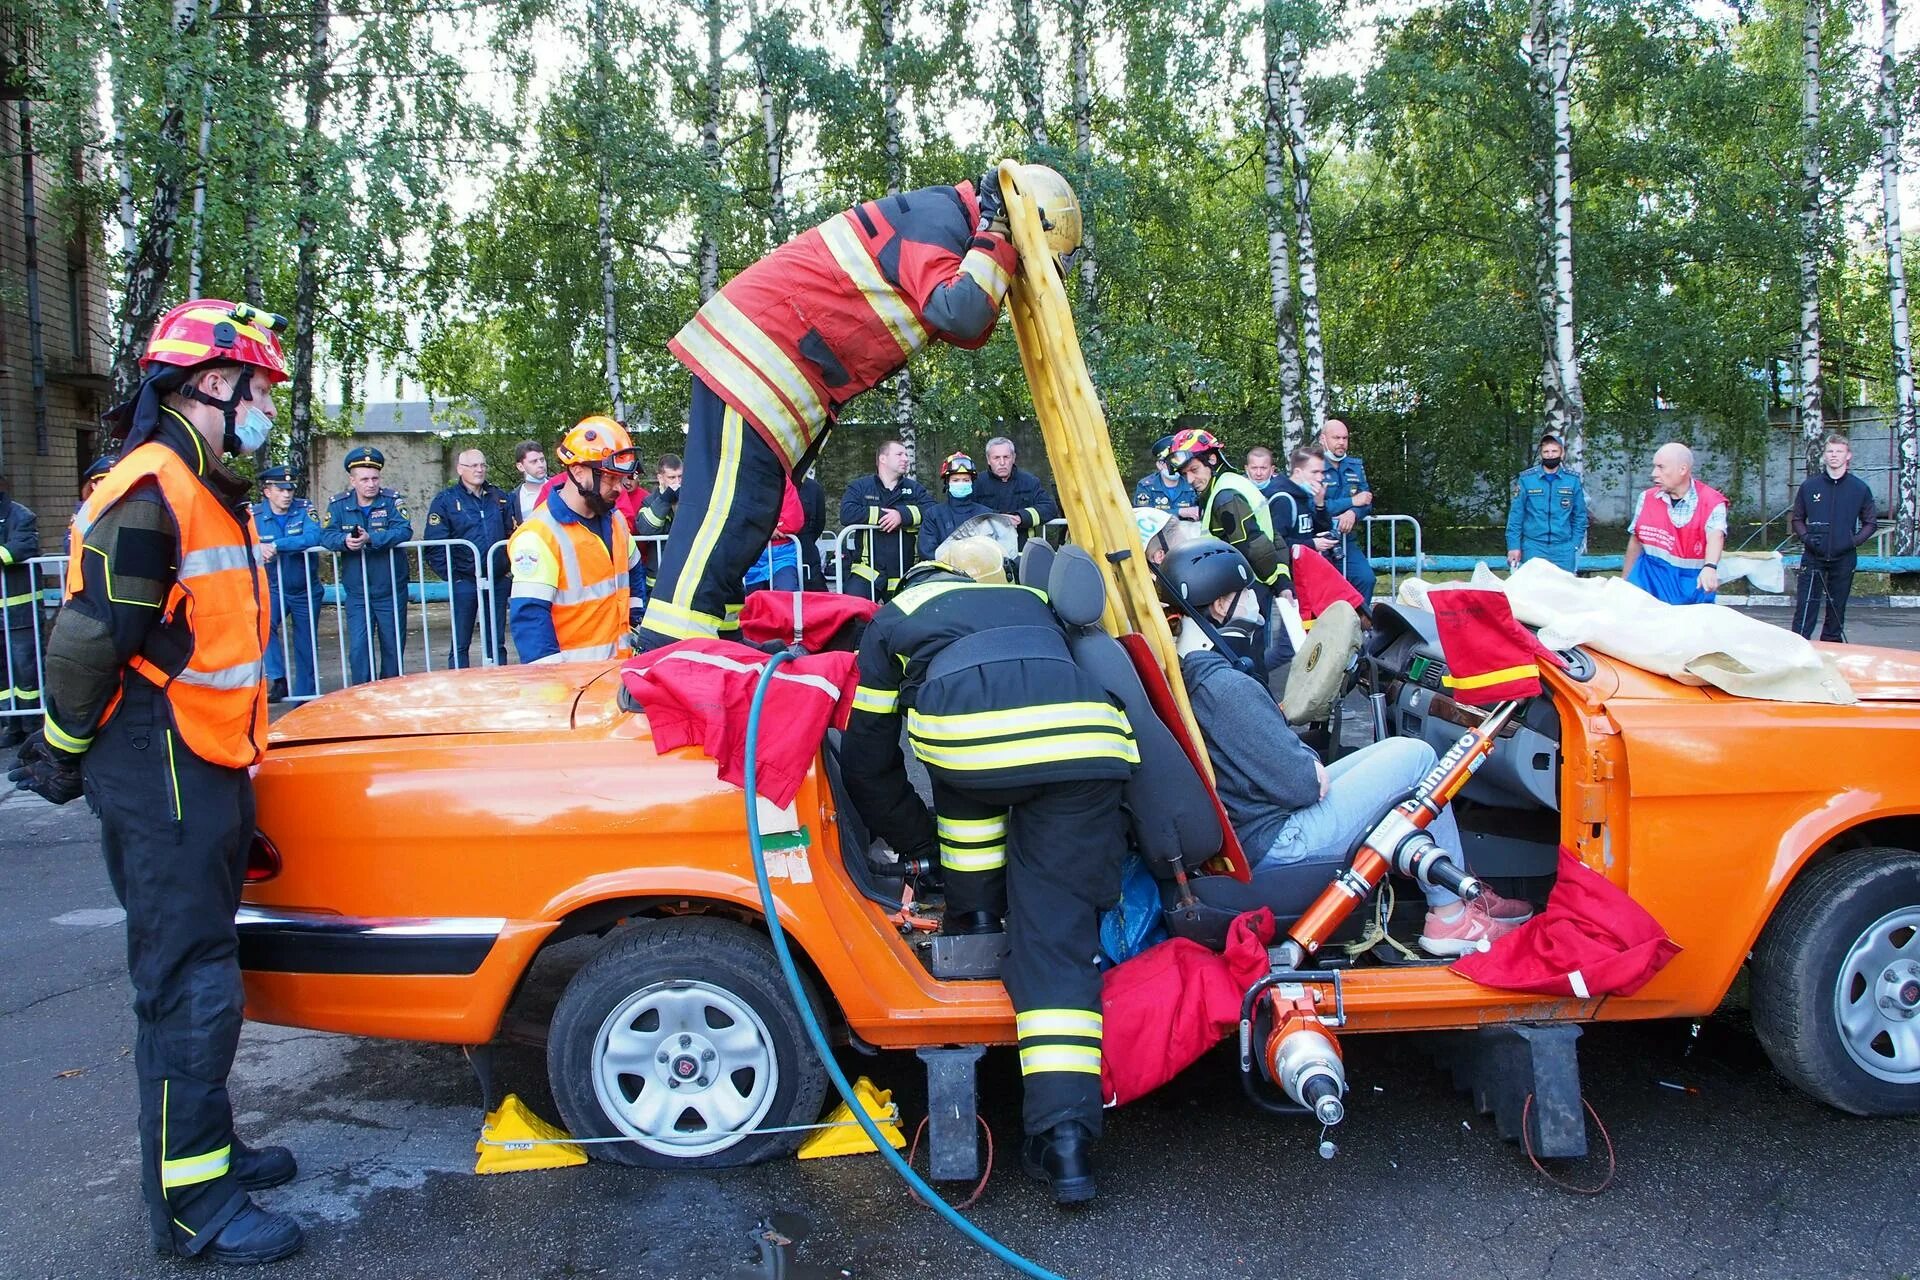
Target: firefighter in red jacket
(788, 342)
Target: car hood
(1879, 675)
(529, 699)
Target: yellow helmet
(1058, 206)
(977, 557)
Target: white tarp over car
(1707, 644)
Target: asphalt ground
(1730, 1174)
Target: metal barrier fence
(1394, 561)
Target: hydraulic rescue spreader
(1301, 1053)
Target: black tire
(699, 955)
(1797, 971)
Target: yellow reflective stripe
(58, 737)
(741, 378)
(192, 1170)
(845, 245)
(1084, 1023)
(1007, 755)
(20, 693)
(974, 859)
(1060, 1057)
(670, 619)
(971, 828)
(179, 345)
(980, 724)
(1501, 676)
(767, 357)
(213, 315)
(9, 601)
(878, 701)
(6, 555)
(992, 278)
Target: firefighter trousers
(1049, 856)
(729, 501)
(175, 830)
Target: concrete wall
(44, 464)
(418, 466)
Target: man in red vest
(1679, 530)
(778, 353)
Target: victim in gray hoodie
(1262, 770)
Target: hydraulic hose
(815, 1034)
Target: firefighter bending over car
(1027, 757)
(779, 351)
(156, 706)
(576, 589)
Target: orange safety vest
(219, 698)
(590, 603)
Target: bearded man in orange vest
(156, 706)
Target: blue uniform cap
(276, 475)
(99, 467)
(365, 456)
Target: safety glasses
(622, 462)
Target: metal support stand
(953, 1127)
(1502, 1066)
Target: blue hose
(819, 1037)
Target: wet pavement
(1730, 1174)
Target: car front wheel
(681, 1037)
(1836, 983)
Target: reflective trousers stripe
(192, 1170)
(880, 702)
(1084, 1023)
(1060, 1057)
(970, 726)
(1007, 755)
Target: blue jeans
(292, 634)
(1360, 787)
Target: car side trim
(278, 940)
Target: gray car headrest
(1075, 588)
(1036, 563)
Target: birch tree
(892, 148)
(601, 57)
(1080, 37)
(312, 161)
(1311, 350)
(710, 151)
(1026, 48)
(196, 256)
(1906, 478)
(1279, 246)
(772, 131)
(1550, 65)
(1812, 421)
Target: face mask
(1551, 464)
(961, 488)
(253, 430)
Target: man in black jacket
(19, 619)
(1013, 492)
(1833, 514)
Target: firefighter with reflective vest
(1233, 509)
(777, 354)
(577, 591)
(1027, 756)
(156, 707)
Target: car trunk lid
(517, 699)
(1879, 675)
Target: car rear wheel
(1836, 983)
(681, 1036)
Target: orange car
(423, 839)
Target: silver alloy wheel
(685, 1069)
(1876, 1000)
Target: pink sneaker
(1474, 929)
(1505, 910)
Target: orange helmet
(212, 331)
(1187, 445)
(599, 442)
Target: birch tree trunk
(197, 253)
(150, 259)
(306, 285)
(1026, 46)
(1906, 478)
(1312, 352)
(122, 165)
(1565, 356)
(772, 137)
(710, 152)
(903, 402)
(30, 236)
(1812, 423)
(1081, 37)
(1553, 401)
(1279, 249)
(252, 286)
(609, 292)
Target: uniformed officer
(1236, 512)
(482, 514)
(288, 530)
(957, 475)
(364, 526)
(96, 472)
(1349, 503)
(1165, 491)
(1013, 492)
(1027, 757)
(156, 706)
(1547, 518)
(19, 619)
(1261, 471)
(893, 502)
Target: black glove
(634, 614)
(52, 775)
(993, 209)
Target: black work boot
(1062, 1157)
(253, 1236)
(971, 922)
(258, 1168)
(277, 691)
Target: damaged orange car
(519, 807)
